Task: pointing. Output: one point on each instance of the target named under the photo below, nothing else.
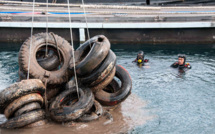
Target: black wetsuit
(184, 66)
(142, 58)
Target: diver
(140, 58)
(181, 63)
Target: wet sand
(125, 116)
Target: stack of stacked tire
(96, 68)
(46, 57)
(21, 103)
(100, 80)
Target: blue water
(181, 103)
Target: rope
(56, 46)
(46, 101)
(85, 16)
(29, 58)
(37, 3)
(46, 54)
(46, 29)
(115, 12)
(112, 6)
(73, 55)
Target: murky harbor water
(162, 100)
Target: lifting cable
(112, 6)
(85, 16)
(73, 55)
(46, 54)
(110, 12)
(29, 58)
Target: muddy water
(122, 119)
(163, 100)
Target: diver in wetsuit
(140, 58)
(181, 63)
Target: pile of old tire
(21, 103)
(100, 81)
(96, 69)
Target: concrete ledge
(111, 25)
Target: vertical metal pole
(82, 35)
(147, 2)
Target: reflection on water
(163, 100)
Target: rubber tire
(99, 74)
(51, 93)
(20, 102)
(36, 71)
(70, 84)
(22, 75)
(111, 99)
(51, 62)
(90, 57)
(93, 115)
(37, 124)
(27, 108)
(19, 89)
(24, 119)
(104, 83)
(112, 87)
(53, 90)
(63, 113)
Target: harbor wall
(158, 36)
(121, 36)
(21, 34)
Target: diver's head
(181, 59)
(140, 53)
